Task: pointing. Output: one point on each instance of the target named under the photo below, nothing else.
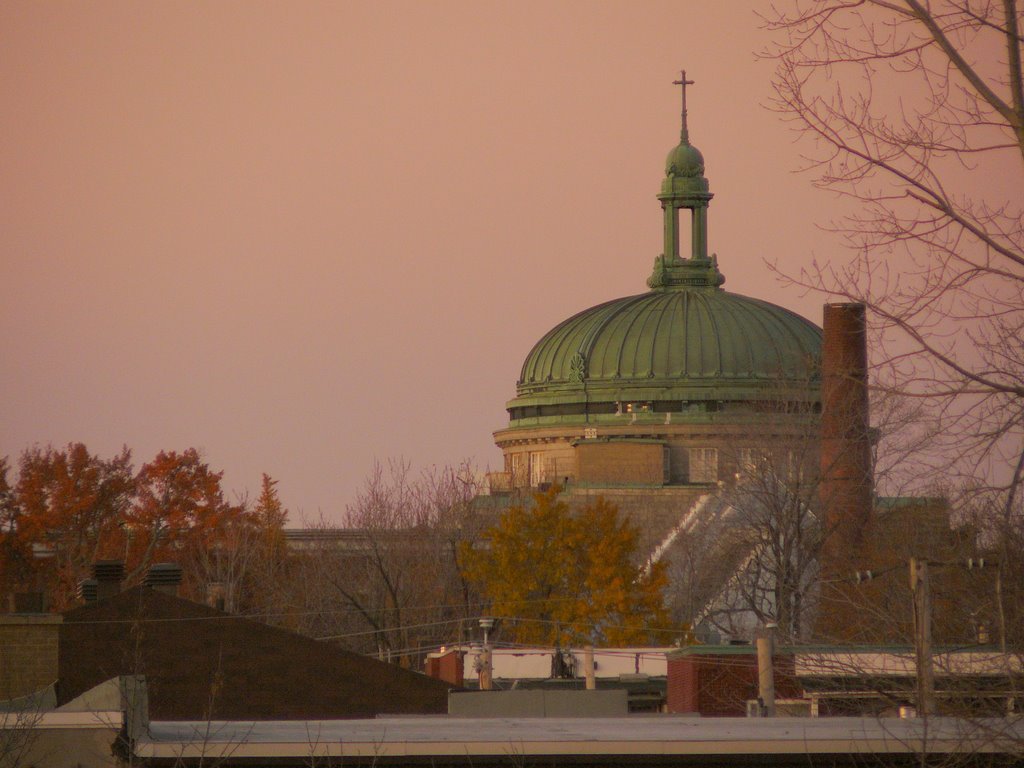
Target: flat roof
(59, 720)
(441, 739)
(846, 661)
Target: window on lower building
(748, 461)
(520, 470)
(703, 465)
(537, 474)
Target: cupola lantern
(684, 187)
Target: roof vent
(164, 577)
(88, 590)
(108, 570)
(108, 575)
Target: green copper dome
(679, 344)
(686, 346)
(685, 160)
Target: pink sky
(300, 236)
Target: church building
(675, 388)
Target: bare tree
(18, 729)
(389, 581)
(775, 504)
(914, 111)
(220, 573)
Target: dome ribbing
(680, 340)
(680, 344)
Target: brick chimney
(846, 490)
(164, 577)
(447, 666)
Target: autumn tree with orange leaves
(14, 555)
(69, 508)
(560, 577)
(179, 506)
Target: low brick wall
(720, 684)
(28, 653)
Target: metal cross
(685, 133)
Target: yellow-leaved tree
(569, 577)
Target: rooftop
(593, 741)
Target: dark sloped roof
(201, 663)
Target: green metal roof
(681, 343)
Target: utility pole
(486, 665)
(588, 667)
(766, 670)
(1002, 613)
(920, 585)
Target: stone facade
(621, 462)
(652, 450)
